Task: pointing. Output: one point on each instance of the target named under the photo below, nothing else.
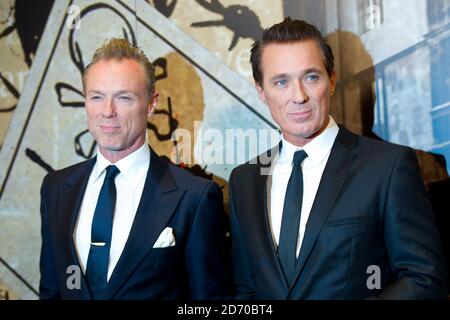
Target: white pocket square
(165, 239)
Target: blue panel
(440, 72)
(438, 12)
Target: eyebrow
(312, 70)
(279, 76)
(288, 75)
(94, 92)
(115, 93)
(124, 91)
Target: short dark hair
(289, 31)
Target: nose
(109, 109)
(299, 95)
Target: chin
(303, 132)
(111, 146)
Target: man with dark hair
(327, 214)
(127, 224)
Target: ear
(152, 103)
(260, 90)
(333, 83)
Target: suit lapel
(159, 200)
(337, 168)
(262, 231)
(70, 195)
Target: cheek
(91, 112)
(322, 99)
(90, 116)
(136, 121)
(277, 104)
(277, 112)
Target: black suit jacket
(197, 267)
(371, 209)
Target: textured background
(392, 62)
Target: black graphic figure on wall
(28, 19)
(241, 20)
(166, 7)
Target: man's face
(297, 88)
(118, 106)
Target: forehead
(291, 57)
(115, 72)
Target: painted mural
(393, 84)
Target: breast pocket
(350, 221)
(161, 259)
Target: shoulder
(386, 152)
(194, 185)
(63, 174)
(255, 166)
(373, 150)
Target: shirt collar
(317, 149)
(131, 167)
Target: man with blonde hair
(127, 223)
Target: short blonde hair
(122, 49)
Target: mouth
(109, 129)
(300, 115)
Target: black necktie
(101, 232)
(287, 250)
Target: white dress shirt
(318, 151)
(129, 185)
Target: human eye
(312, 77)
(282, 83)
(125, 99)
(95, 98)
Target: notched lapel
(70, 196)
(336, 171)
(160, 198)
(258, 217)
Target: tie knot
(299, 156)
(111, 172)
